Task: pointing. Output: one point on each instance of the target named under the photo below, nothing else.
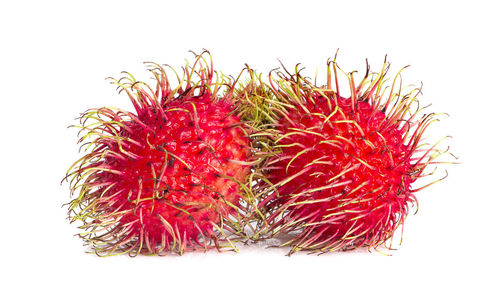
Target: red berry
(167, 177)
(342, 168)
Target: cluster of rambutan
(209, 161)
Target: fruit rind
(355, 211)
(121, 146)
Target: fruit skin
(170, 176)
(341, 172)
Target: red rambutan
(341, 172)
(168, 177)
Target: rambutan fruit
(341, 170)
(170, 176)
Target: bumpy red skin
(190, 198)
(344, 215)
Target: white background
(53, 62)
